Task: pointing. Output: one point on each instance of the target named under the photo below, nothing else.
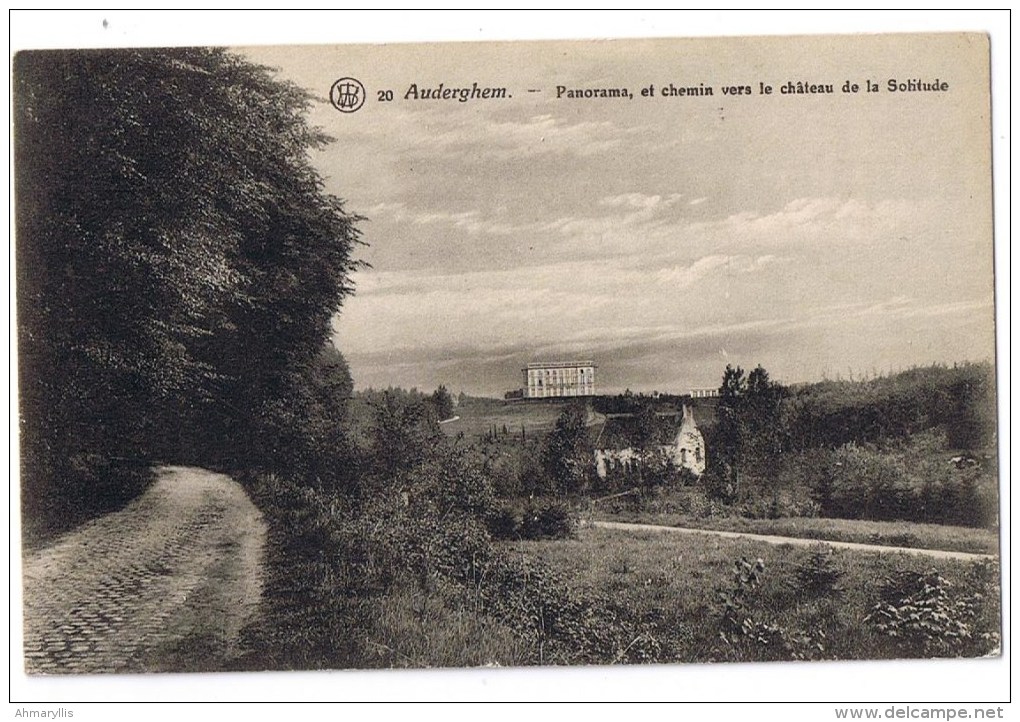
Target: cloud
(684, 276)
(639, 200)
(655, 225)
(438, 133)
(823, 220)
(593, 302)
(473, 222)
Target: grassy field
(678, 584)
(884, 533)
(479, 416)
(441, 628)
(339, 596)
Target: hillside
(959, 399)
(478, 416)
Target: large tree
(569, 454)
(750, 431)
(443, 403)
(730, 429)
(177, 259)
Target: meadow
(711, 599)
(611, 596)
(479, 417)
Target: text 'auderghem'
(463, 95)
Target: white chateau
(704, 393)
(551, 379)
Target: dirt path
(166, 584)
(795, 541)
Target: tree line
(876, 449)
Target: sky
(820, 236)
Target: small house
(622, 442)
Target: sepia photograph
(671, 352)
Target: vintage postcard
(490, 355)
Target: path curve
(795, 541)
(164, 585)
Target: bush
(563, 625)
(913, 481)
(832, 413)
(549, 520)
(535, 519)
(819, 575)
(777, 504)
(718, 484)
(746, 579)
(322, 569)
(752, 638)
(505, 522)
(924, 618)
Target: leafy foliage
(752, 637)
(960, 399)
(569, 457)
(177, 264)
(749, 435)
(911, 483)
(533, 519)
(871, 449)
(746, 579)
(920, 612)
(402, 437)
(443, 402)
(731, 427)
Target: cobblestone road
(164, 585)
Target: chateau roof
(559, 364)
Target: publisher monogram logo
(347, 95)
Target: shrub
(910, 481)
(321, 571)
(819, 575)
(505, 522)
(87, 486)
(534, 519)
(754, 638)
(925, 618)
(776, 504)
(984, 585)
(746, 578)
(549, 520)
(563, 625)
(718, 485)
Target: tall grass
(678, 583)
(441, 625)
